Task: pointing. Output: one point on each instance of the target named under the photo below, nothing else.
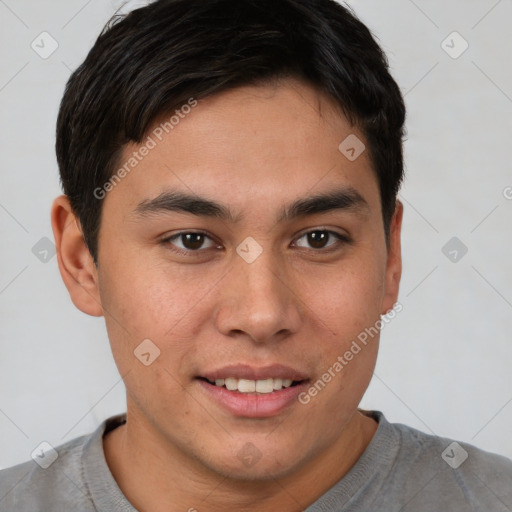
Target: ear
(76, 265)
(394, 261)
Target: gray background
(445, 360)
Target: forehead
(253, 146)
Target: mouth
(248, 386)
(250, 392)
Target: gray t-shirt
(401, 470)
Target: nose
(259, 300)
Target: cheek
(147, 298)
(142, 308)
(346, 307)
(143, 300)
(350, 307)
(346, 298)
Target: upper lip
(245, 371)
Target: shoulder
(52, 478)
(434, 468)
(420, 447)
(61, 478)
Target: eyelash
(342, 239)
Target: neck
(156, 476)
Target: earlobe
(394, 260)
(75, 262)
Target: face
(250, 251)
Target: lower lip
(263, 405)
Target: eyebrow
(346, 198)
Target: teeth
(265, 386)
(246, 386)
(231, 384)
(253, 386)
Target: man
(230, 171)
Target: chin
(262, 471)
(240, 460)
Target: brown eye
(319, 238)
(192, 241)
(188, 241)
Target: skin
(254, 149)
